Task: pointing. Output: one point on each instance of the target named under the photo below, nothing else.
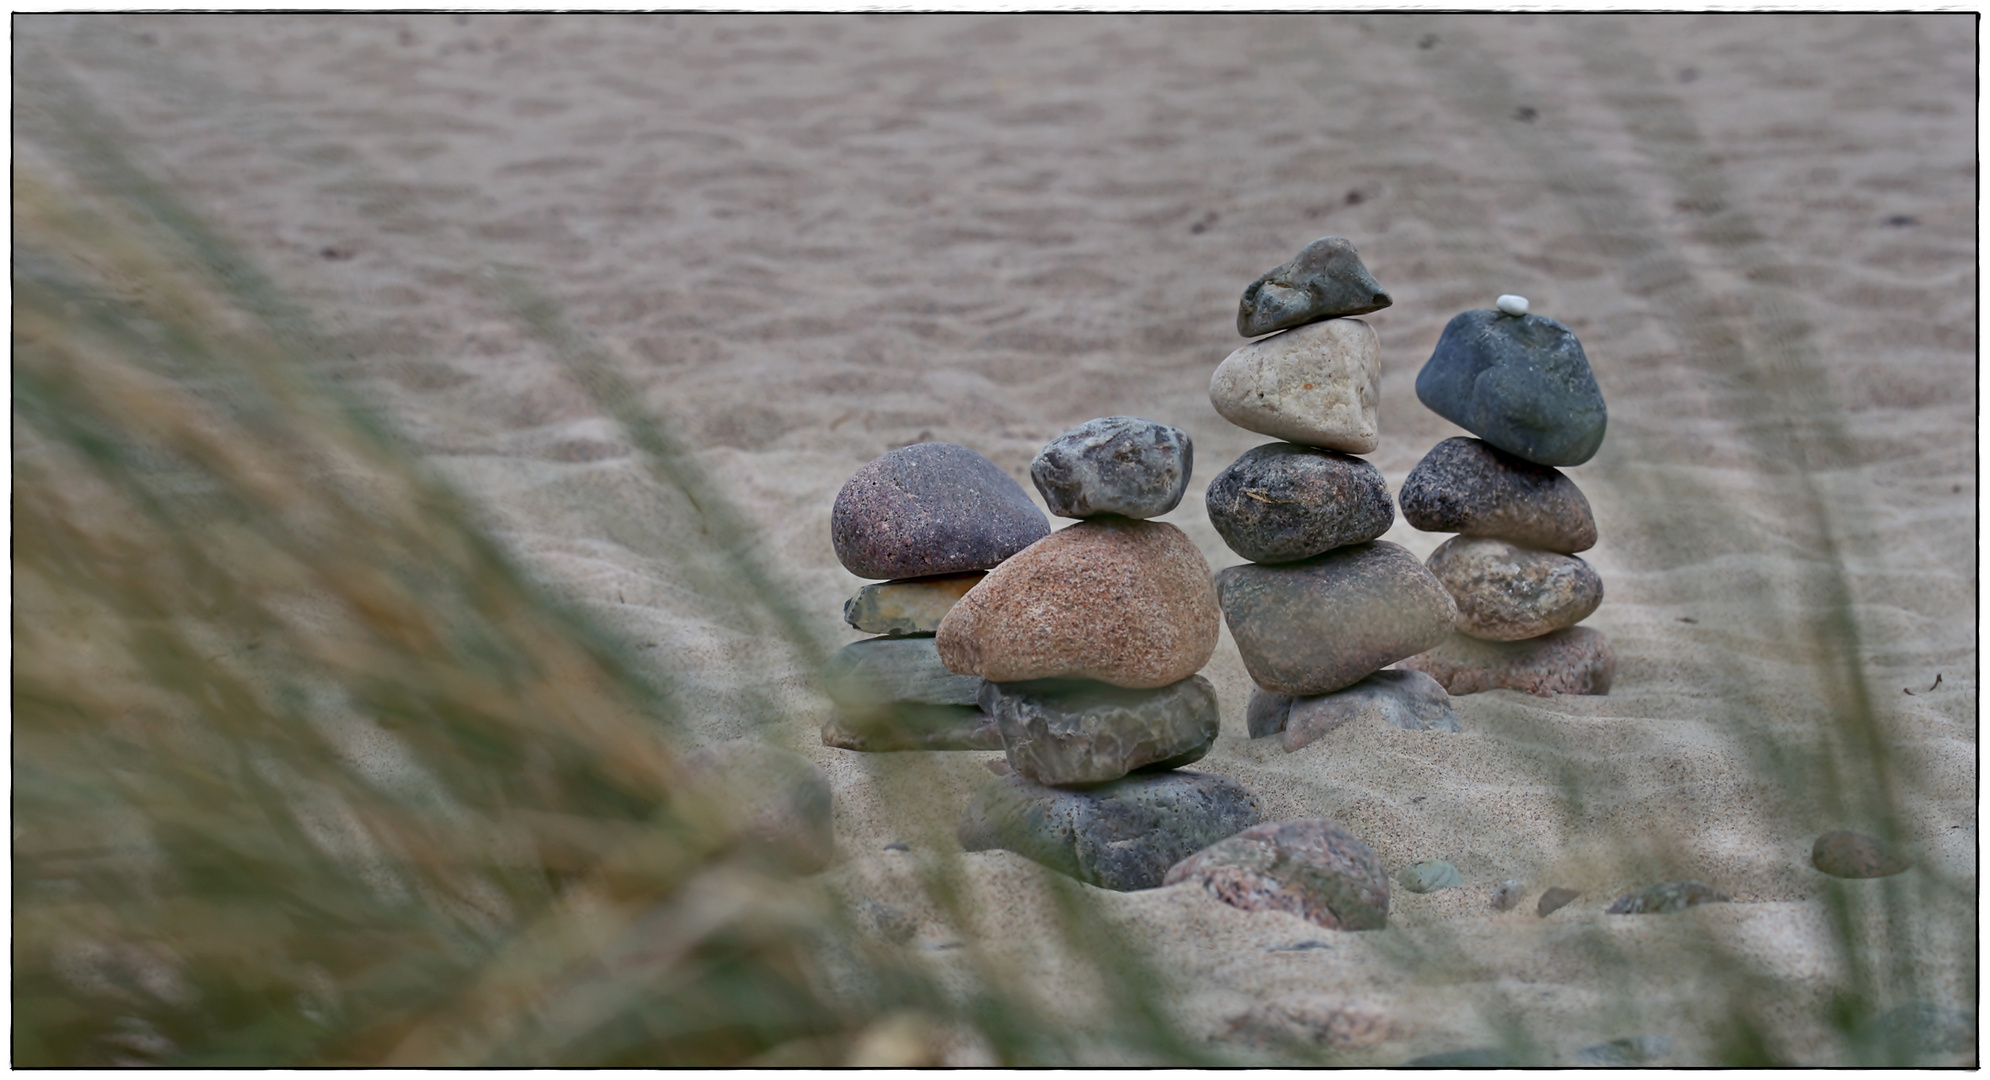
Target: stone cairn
(1520, 383)
(1323, 606)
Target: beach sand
(807, 241)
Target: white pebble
(1511, 304)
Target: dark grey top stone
(1076, 731)
(933, 508)
(1520, 383)
(1324, 281)
(1282, 502)
(1471, 487)
(1114, 465)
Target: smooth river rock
(1123, 835)
(1315, 386)
(1409, 700)
(1667, 898)
(1125, 602)
(1855, 855)
(1070, 731)
(934, 508)
(1578, 660)
(1114, 465)
(898, 608)
(1281, 502)
(877, 671)
(1508, 593)
(1520, 383)
(1471, 487)
(1325, 280)
(911, 725)
(1317, 626)
(1309, 867)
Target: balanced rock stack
(1520, 383)
(1089, 641)
(1323, 605)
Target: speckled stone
(930, 509)
(1508, 593)
(1122, 836)
(1667, 898)
(1520, 383)
(1114, 465)
(1325, 280)
(778, 800)
(1317, 626)
(1282, 502)
(1578, 660)
(1315, 386)
(1409, 700)
(1123, 602)
(909, 725)
(878, 671)
(1855, 855)
(1070, 731)
(1471, 487)
(899, 608)
(1309, 867)
(1429, 875)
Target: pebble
(864, 675)
(1468, 486)
(1578, 660)
(1520, 383)
(1667, 898)
(1317, 626)
(1122, 836)
(1554, 900)
(1510, 304)
(910, 725)
(929, 509)
(1315, 386)
(1125, 602)
(1309, 867)
(779, 800)
(898, 608)
(1856, 855)
(1509, 593)
(1282, 502)
(1508, 895)
(1065, 731)
(1324, 281)
(1265, 713)
(1429, 875)
(1114, 465)
(1409, 700)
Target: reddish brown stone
(1577, 660)
(1310, 867)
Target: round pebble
(1511, 304)
(1282, 502)
(1472, 487)
(1510, 593)
(930, 509)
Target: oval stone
(930, 509)
(898, 608)
(1310, 867)
(1315, 385)
(1124, 602)
(1114, 465)
(1508, 593)
(1471, 487)
(1281, 502)
(1854, 855)
(1578, 660)
(1067, 731)
(1316, 626)
(1520, 383)
(1325, 280)
(1429, 875)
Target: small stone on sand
(1310, 867)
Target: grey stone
(778, 801)
(1520, 383)
(1577, 660)
(1508, 895)
(1509, 593)
(1315, 386)
(1325, 280)
(1667, 898)
(909, 725)
(1069, 731)
(1409, 700)
(864, 675)
(1122, 836)
(1316, 626)
(1471, 487)
(1282, 502)
(900, 608)
(1854, 855)
(1310, 867)
(1114, 465)
(930, 509)
(1266, 712)
(1429, 875)
(1554, 900)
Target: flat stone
(930, 509)
(1856, 855)
(1315, 386)
(1667, 898)
(1409, 700)
(908, 725)
(1554, 900)
(1471, 487)
(879, 671)
(777, 800)
(1125, 602)
(1520, 383)
(1122, 836)
(1282, 502)
(1325, 280)
(1578, 660)
(898, 608)
(1509, 593)
(1114, 465)
(1067, 731)
(1429, 875)
(1317, 626)
(1309, 867)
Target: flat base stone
(1577, 660)
(1066, 732)
(1409, 700)
(911, 725)
(871, 674)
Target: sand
(809, 240)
